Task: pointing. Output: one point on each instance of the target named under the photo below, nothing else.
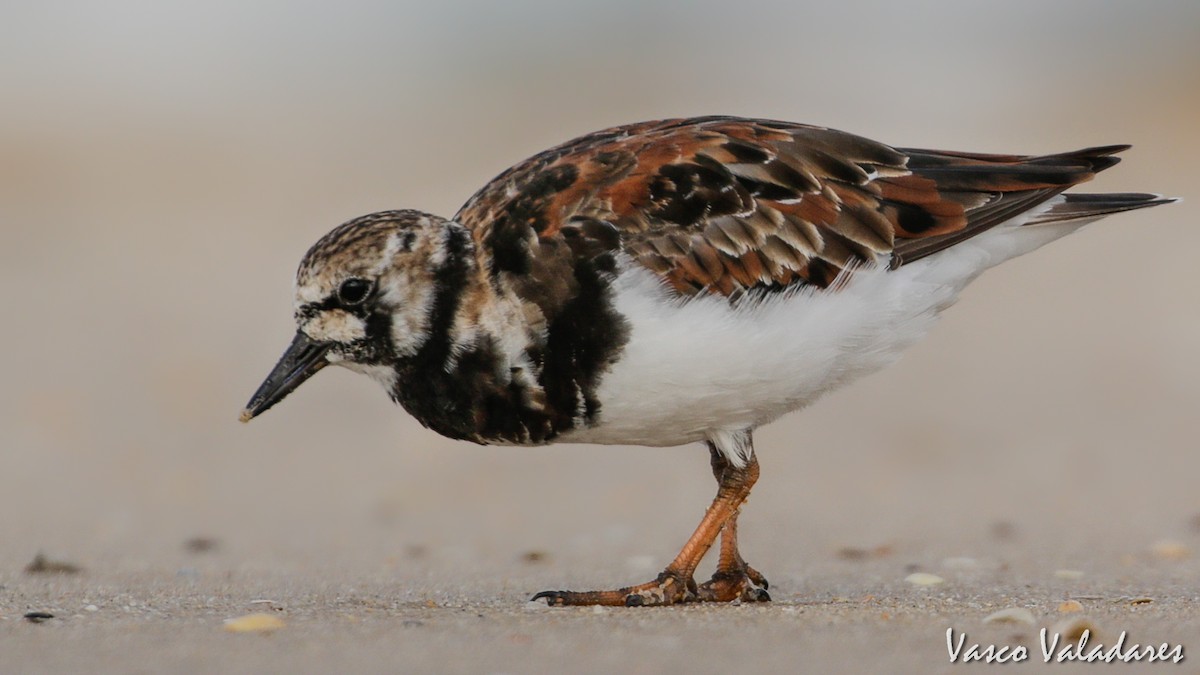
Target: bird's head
(364, 297)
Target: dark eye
(354, 291)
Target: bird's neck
(477, 375)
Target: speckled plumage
(672, 281)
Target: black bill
(303, 358)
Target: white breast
(695, 368)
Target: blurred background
(163, 167)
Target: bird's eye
(354, 291)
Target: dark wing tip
(1103, 150)
(1104, 162)
(1096, 159)
(1131, 198)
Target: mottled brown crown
(360, 247)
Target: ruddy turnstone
(670, 282)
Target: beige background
(163, 166)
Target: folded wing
(726, 205)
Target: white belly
(698, 368)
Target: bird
(672, 282)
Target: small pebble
(599, 609)
(534, 557)
(1070, 607)
(1070, 575)
(923, 579)
(1169, 549)
(43, 565)
(254, 623)
(91, 608)
(201, 545)
(853, 553)
(38, 617)
(1011, 615)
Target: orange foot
(669, 588)
(744, 584)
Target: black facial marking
(379, 327)
(376, 347)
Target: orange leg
(675, 583)
(734, 579)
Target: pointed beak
(303, 358)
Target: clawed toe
(757, 578)
(668, 589)
(726, 586)
(552, 598)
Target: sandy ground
(172, 627)
(161, 173)
(412, 614)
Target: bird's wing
(726, 205)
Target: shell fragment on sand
(1011, 615)
(254, 623)
(924, 579)
(1169, 549)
